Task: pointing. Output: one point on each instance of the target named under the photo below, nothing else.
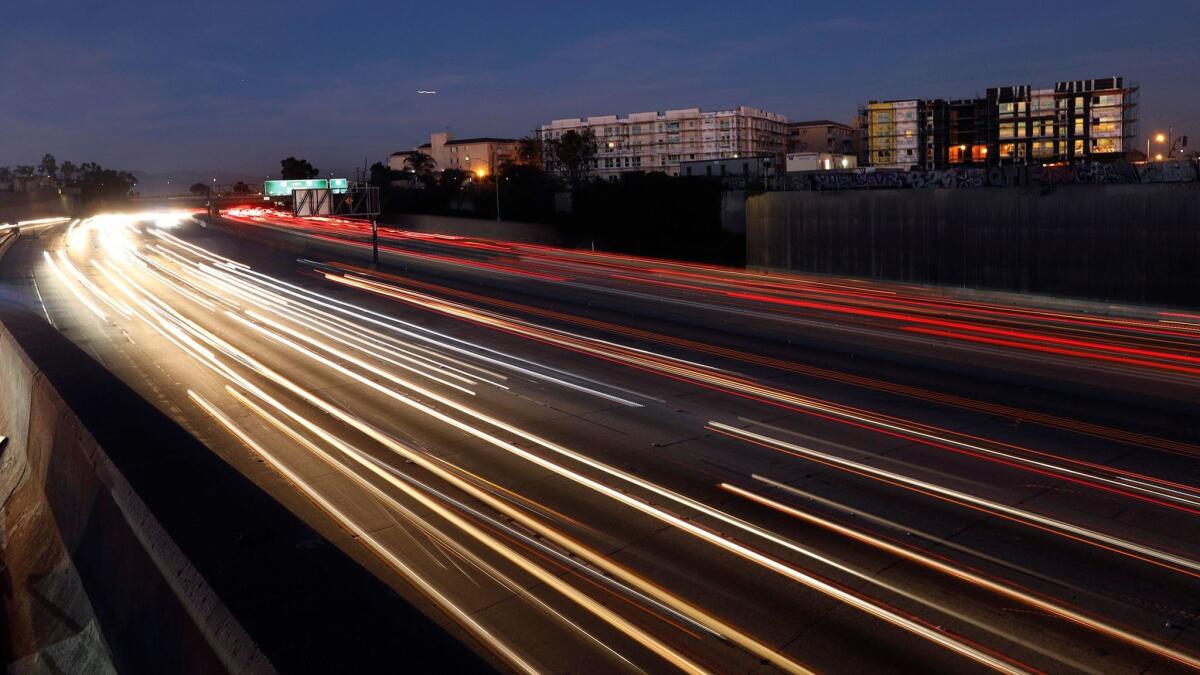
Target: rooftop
(818, 123)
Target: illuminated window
(1105, 145)
(956, 153)
(1006, 149)
(1006, 130)
(1021, 106)
(1006, 108)
(978, 153)
(1078, 147)
(1078, 126)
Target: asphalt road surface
(583, 462)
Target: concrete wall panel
(1115, 243)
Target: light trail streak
(480, 632)
(469, 349)
(965, 574)
(432, 532)
(208, 358)
(1096, 430)
(71, 287)
(938, 636)
(215, 276)
(1084, 535)
(1001, 453)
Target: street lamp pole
(495, 178)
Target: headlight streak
(469, 349)
(239, 280)
(493, 643)
(1052, 421)
(436, 535)
(381, 353)
(966, 574)
(936, 635)
(71, 287)
(183, 330)
(1165, 493)
(280, 305)
(724, 284)
(83, 281)
(1081, 534)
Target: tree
(6, 174)
(199, 189)
(419, 162)
(296, 169)
(452, 179)
(96, 182)
(69, 170)
(49, 165)
(531, 150)
(23, 171)
(382, 175)
(573, 154)
(240, 188)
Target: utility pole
(496, 177)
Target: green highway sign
(283, 188)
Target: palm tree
(419, 162)
(68, 169)
(530, 149)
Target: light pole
(495, 178)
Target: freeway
(589, 462)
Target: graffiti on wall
(1095, 173)
(856, 180)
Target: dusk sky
(225, 85)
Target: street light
(480, 173)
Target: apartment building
(822, 136)
(894, 132)
(1075, 121)
(481, 155)
(662, 141)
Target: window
(1021, 106)
(1078, 147)
(978, 153)
(956, 152)
(1006, 108)
(1078, 126)
(1006, 149)
(1105, 145)
(1006, 130)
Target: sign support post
(374, 241)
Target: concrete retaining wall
(18, 206)
(1114, 243)
(92, 582)
(505, 230)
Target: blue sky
(159, 86)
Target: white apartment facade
(660, 141)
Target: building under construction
(1076, 121)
